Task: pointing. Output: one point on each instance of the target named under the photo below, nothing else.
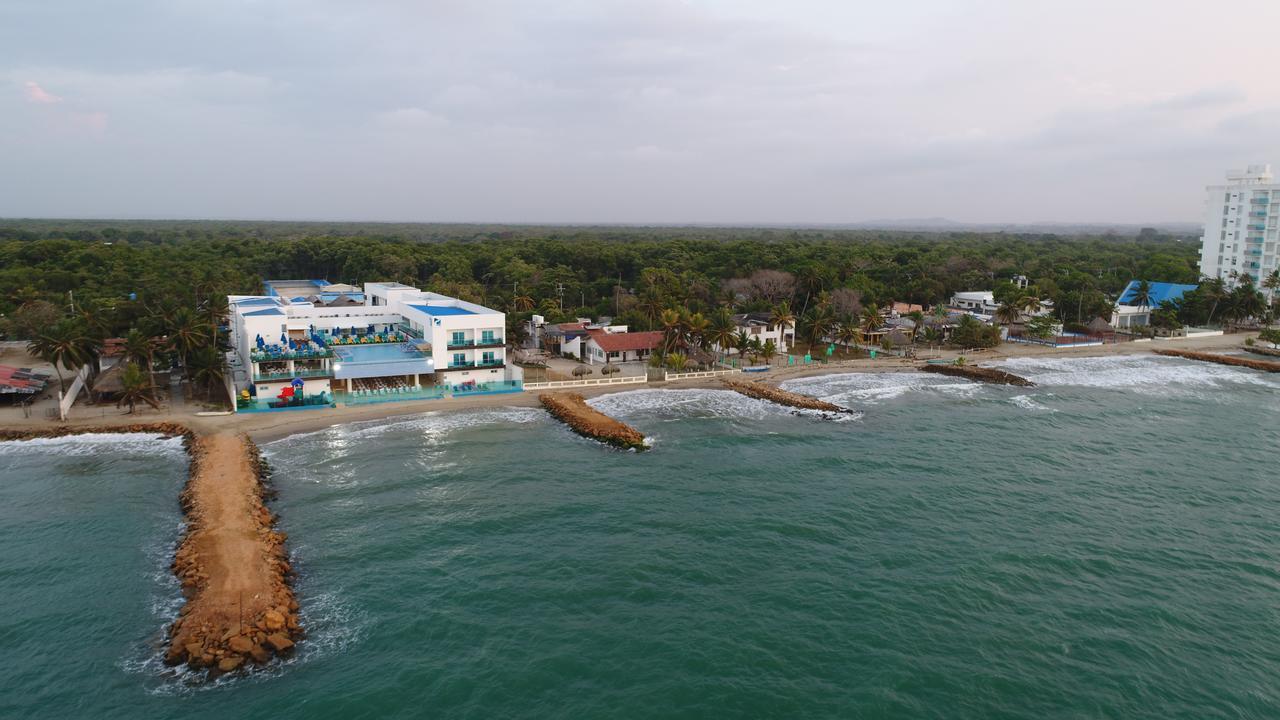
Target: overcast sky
(655, 111)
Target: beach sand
(264, 427)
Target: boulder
(240, 644)
(279, 642)
(228, 664)
(259, 654)
(273, 620)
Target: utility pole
(560, 294)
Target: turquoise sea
(1104, 545)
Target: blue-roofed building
(1129, 312)
(341, 344)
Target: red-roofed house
(606, 347)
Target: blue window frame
(459, 358)
(457, 337)
(488, 356)
(486, 336)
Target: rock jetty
(232, 563)
(762, 391)
(1258, 349)
(1264, 365)
(980, 374)
(572, 409)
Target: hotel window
(457, 338)
(488, 358)
(486, 336)
(459, 358)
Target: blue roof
(441, 310)
(1159, 292)
(258, 301)
(268, 311)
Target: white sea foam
(676, 404)
(97, 444)
(1027, 403)
(854, 389)
(1138, 372)
(435, 423)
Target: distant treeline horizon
(565, 271)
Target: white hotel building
(1240, 225)
(308, 339)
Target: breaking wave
(1134, 372)
(681, 404)
(89, 444)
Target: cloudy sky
(654, 111)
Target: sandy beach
(265, 427)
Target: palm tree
(917, 319)
(186, 334)
(870, 318)
(1008, 313)
(677, 361)
(742, 342)
(522, 303)
(722, 330)
(768, 350)
(65, 344)
(848, 333)
(1272, 285)
(207, 368)
(135, 389)
(140, 350)
(755, 348)
(1214, 289)
(670, 322)
(697, 327)
(781, 316)
(215, 311)
(1142, 295)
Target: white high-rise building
(1240, 225)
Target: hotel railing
(461, 366)
(492, 342)
(258, 356)
(461, 344)
(298, 373)
(1258, 213)
(1257, 227)
(1260, 200)
(490, 363)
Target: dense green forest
(124, 270)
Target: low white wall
(632, 380)
(700, 374)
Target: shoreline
(267, 427)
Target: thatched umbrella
(610, 369)
(581, 370)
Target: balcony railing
(1258, 227)
(1258, 213)
(267, 355)
(461, 344)
(460, 366)
(299, 373)
(1260, 200)
(490, 363)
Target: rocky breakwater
(1264, 365)
(980, 374)
(762, 391)
(572, 409)
(232, 563)
(165, 429)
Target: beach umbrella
(297, 382)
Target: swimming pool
(386, 352)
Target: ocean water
(1103, 545)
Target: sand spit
(980, 374)
(761, 391)
(1265, 365)
(232, 563)
(572, 409)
